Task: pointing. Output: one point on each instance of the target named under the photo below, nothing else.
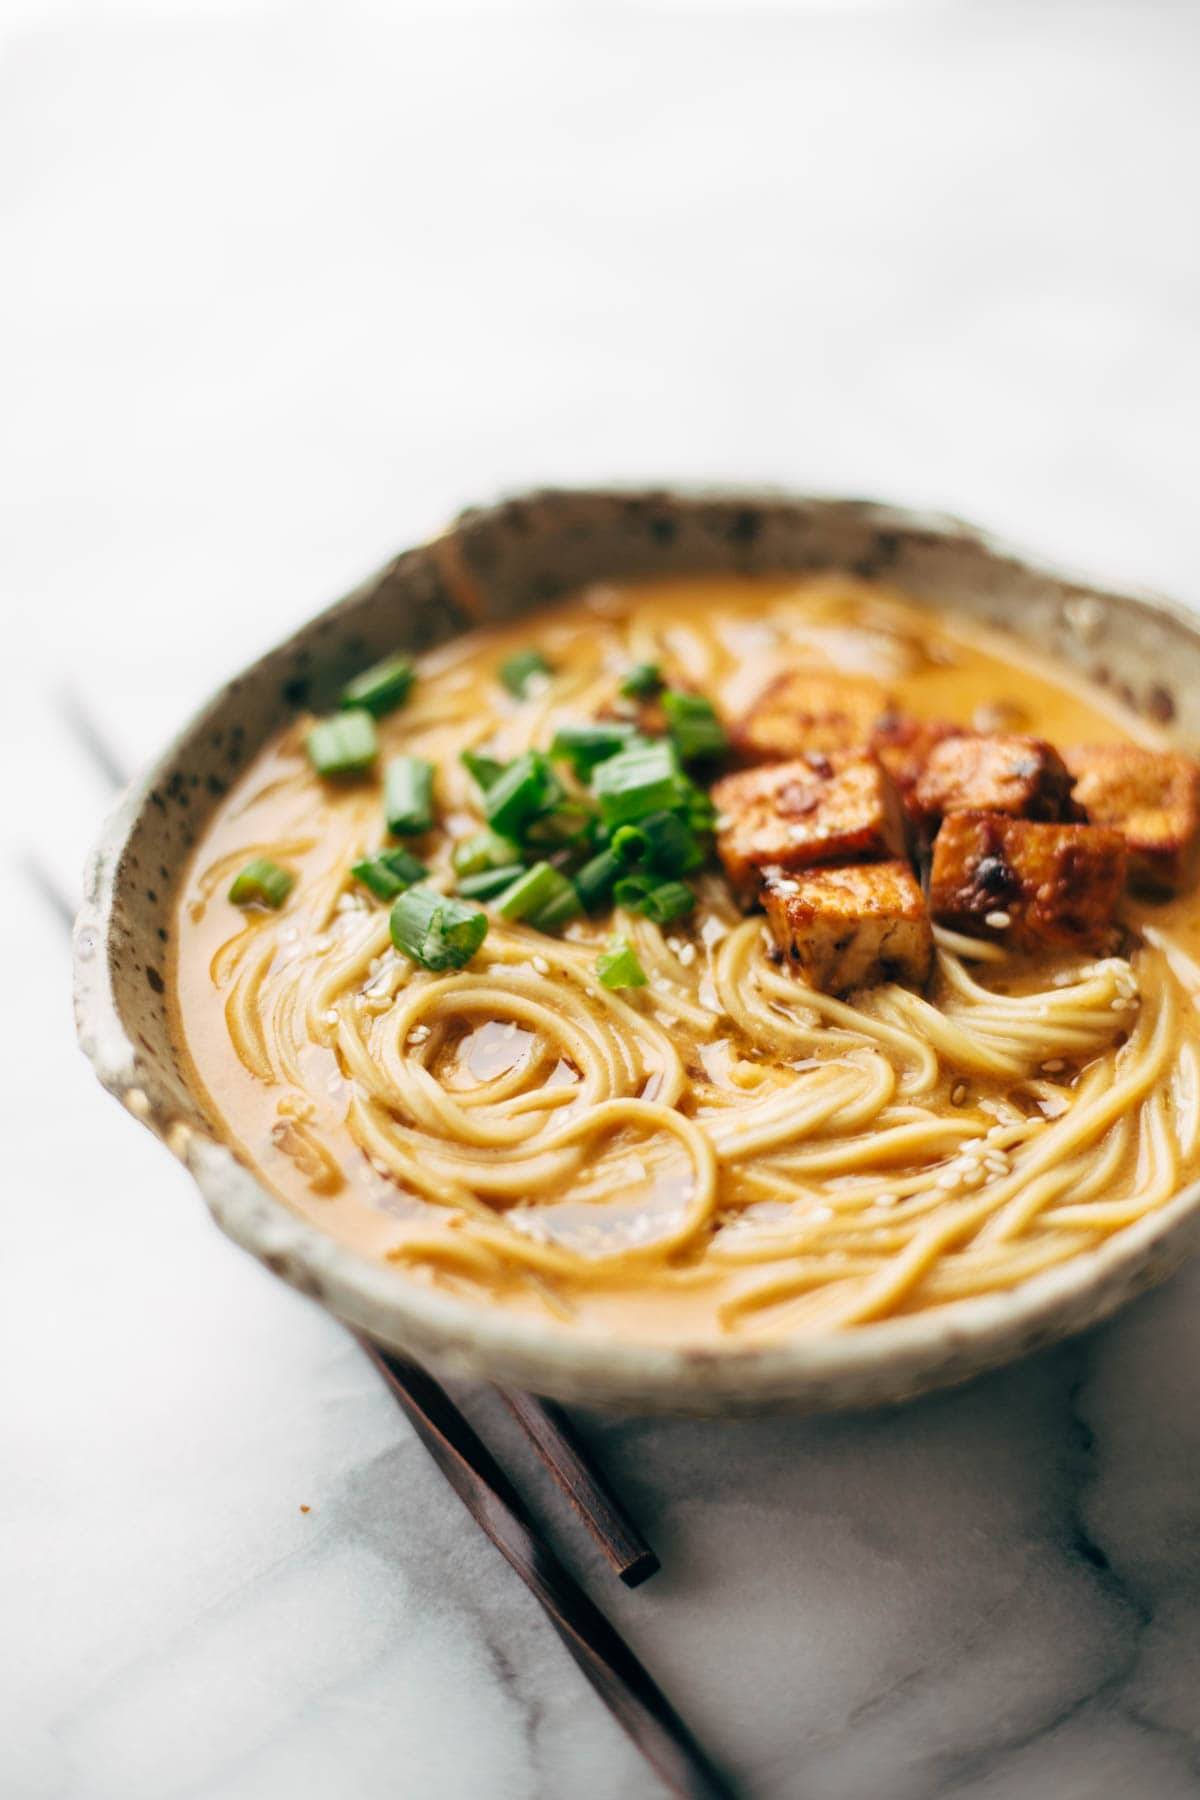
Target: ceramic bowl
(508, 559)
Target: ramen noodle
(665, 1115)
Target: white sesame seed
(418, 1035)
(1053, 1065)
(887, 1199)
(541, 965)
(958, 1093)
(997, 921)
(949, 1178)
(330, 1017)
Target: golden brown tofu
(1152, 797)
(816, 809)
(851, 926)
(1029, 884)
(1021, 776)
(809, 709)
(903, 746)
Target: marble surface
(285, 286)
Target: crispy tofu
(1152, 797)
(903, 746)
(819, 808)
(851, 926)
(809, 709)
(1027, 883)
(1021, 776)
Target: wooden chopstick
(553, 1437)
(624, 1548)
(623, 1683)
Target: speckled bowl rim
(886, 1361)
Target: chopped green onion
(566, 824)
(670, 900)
(594, 882)
(542, 896)
(522, 669)
(661, 901)
(642, 681)
(637, 781)
(526, 788)
(618, 966)
(485, 850)
(408, 795)
(696, 731)
(583, 746)
(435, 930)
(558, 910)
(485, 884)
(388, 872)
(669, 845)
(627, 844)
(345, 745)
(381, 688)
(698, 809)
(263, 881)
(483, 770)
(631, 890)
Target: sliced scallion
(637, 781)
(261, 882)
(525, 668)
(669, 900)
(388, 872)
(595, 881)
(485, 884)
(661, 901)
(527, 787)
(484, 850)
(618, 966)
(583, 746)
(345, 745)
(483, 770)
(408, 795)
(542, 896)
(381, 688)
(436, 931)
(669, 845)
(695, 729)
(642, 681)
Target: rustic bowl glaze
(500, 561)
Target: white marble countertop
(284, 286)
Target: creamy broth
(720, 1155)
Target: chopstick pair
(620, 1679)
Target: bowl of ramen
(682, 952)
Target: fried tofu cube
(816, 809)
(903, 746)
(1152, 797)
(1021, 776)
(851, 926)
(1030, 884)
(809, 709)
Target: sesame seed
(949, 1178)
(418, 1035)
(541, 965)
(887, 1199)
(1053, 1065)
(997, 921)
(330, 1017)
(687, 955)
(958, 1093)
